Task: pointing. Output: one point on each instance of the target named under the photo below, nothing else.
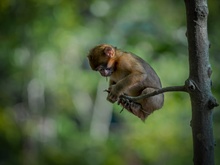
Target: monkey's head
(101, 59)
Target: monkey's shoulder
(132, 62)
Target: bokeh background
(52, 106)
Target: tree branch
(157, 92)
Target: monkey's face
(101, 67)
(104, 71)
(98, 60)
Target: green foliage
(52, 106)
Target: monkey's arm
(111, 82)
(133, 79)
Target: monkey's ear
(109, 51)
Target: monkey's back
(152, 79)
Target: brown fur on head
(99, 58)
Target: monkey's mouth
(106, 72)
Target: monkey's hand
(113, 94)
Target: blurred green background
(52, 106)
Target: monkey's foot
(132, 107)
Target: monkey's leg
(152, 103)
(143, 108)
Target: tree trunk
(199, 82)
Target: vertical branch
(202, 100)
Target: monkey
(129, 75)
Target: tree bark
(202, 100)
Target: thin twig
(157, 92)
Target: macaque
(129, 75)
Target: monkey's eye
(99, 68)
